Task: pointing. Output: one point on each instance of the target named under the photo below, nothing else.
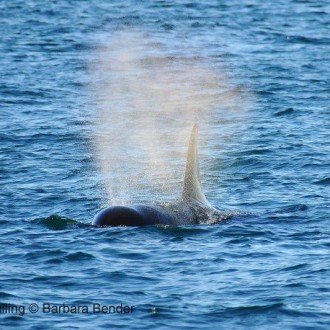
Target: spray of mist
(148, 97)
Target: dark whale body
(192, 208)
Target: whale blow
(191, 208)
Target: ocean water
(96, 102)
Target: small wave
(4, 295)
(288, 111)
(255, 151)
(241, 231)
(168, 27)
(293, 208)
(75, 256)
(294, 267)
(309, 40)
(183, 231)
(78, 256)
(133, 255)
(248, 310)
(323, 182)
(295, 285)
(56, 222)
(14, 318)
(302, 39)
(4, 222)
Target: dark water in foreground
(266, 268)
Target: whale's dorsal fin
(192, 190)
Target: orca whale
(191, 208)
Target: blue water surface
(268, 267)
